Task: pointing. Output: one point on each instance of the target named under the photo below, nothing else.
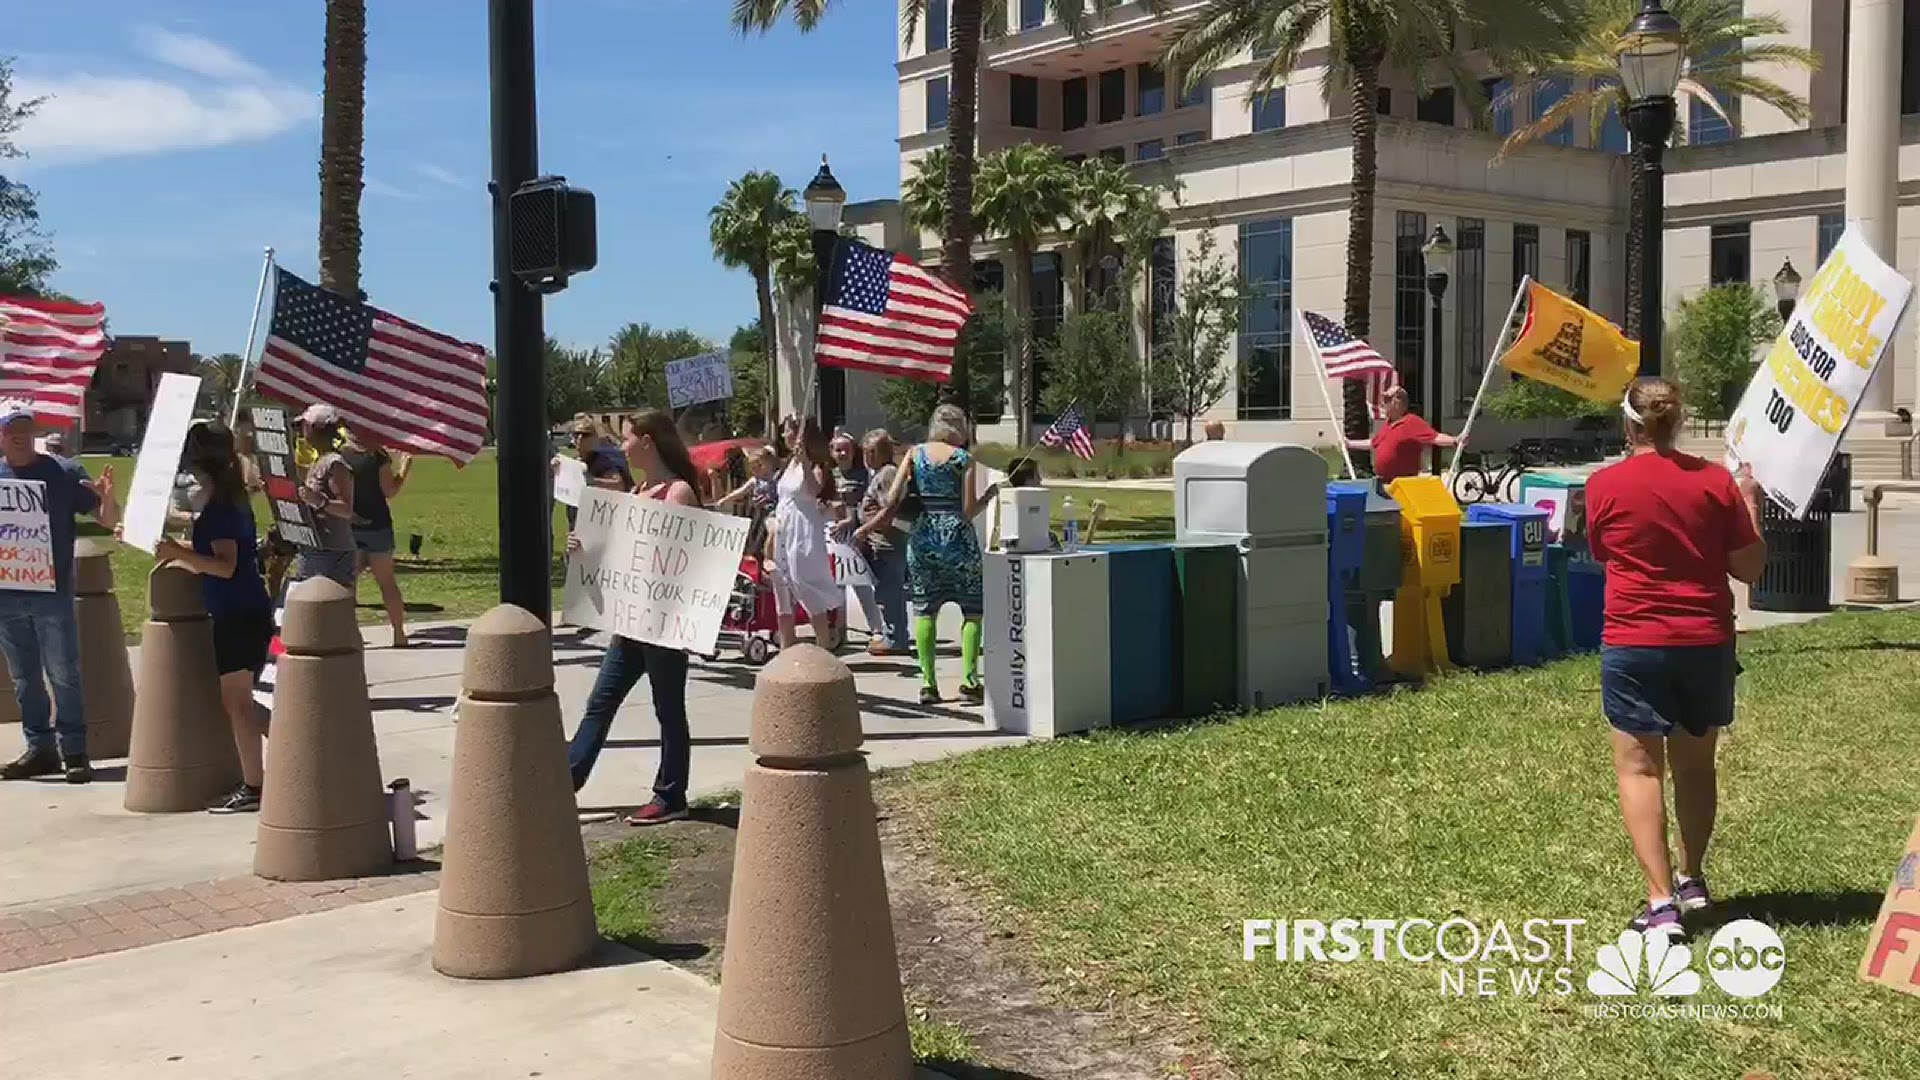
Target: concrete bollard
(514, 899)
(323, 813)
(810, 985)
(106, 679)
(182, 755)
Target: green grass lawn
(1130, 860)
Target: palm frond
(762, 16)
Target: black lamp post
(1786, 290)
(825, 200)
(1651, 56)
(1438, 254)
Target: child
(757, 497)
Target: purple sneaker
(1691, 894)
(1664, 919)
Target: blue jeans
(620, 670)
(889, 565)
(40, 633)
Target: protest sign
(1801, 399)
(986, 525)
(26, 537)
(569, 480)
(652, 571)
(1893, 949)
(151, 494)
(850, 568)
(699, 379)
(273, 451)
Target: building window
(1115, 154)
(1470, 307)
(1410, 304)
(936, 25)
(1032, 13)
(1831, 228)
(936, 103)
(1546, 94)
(1113, 95)
(1048, 294)
(1499, 105)
(1162, 278)
(1196, 95)
(1270, 110)
(1580, 267)
(1383, 101)
(1526, 253)
(1151, 96)
(1266, 320)
(1151, 150)
(1073, 103)
(1023, 96)
(1436, 107)
(1188, 138)
(1074, 159)
(1730, 255)
(1613, 130)
(1706, 127)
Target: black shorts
(240, 642)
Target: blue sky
(182, 136)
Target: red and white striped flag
(1344, 356)
(48, 352)
(887, 315)
(422, 392)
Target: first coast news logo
(1640, 976)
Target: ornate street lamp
(1786, 290)
(1652, 54)
(1438, 253)
(826, 201)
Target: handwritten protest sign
(569, 480)
(273, 450)
(1801, 399)
(1893, 949)
(151, 493)
(698, 379)
(26, 537)
(849, 566)
(652, 571)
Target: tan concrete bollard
(514, 899)
(182, 755)
(106, 679)
(323, 813)
(810, 986)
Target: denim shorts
(1651, 691)
(373, 541)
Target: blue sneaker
(1691, 894)
(1664, 919)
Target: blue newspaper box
(1346, 554)
(1378, 579)
(1559, 603)
(1529, 524)
(1142, 614)
(1586, 598)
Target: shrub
(1712, 342)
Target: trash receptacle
(1839, 484)
(1142, 622)
(1478, 612)
(1429, 568)
(1799, 573)
(1527, 551)
(1207, 580)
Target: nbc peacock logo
(1637, 963)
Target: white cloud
(379, 188)
(202, 56)
(440, 174)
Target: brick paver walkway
(32, 938)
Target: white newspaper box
(1270, 500)
(1047, 660)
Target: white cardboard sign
(849, 566)
(652, 571)
(26, 537)
(569, 481)
(151, 493)
(698, 379)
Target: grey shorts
(374, 541)
(317, 562)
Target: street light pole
(520, 405)
(826, 201)
(1786, 290)
(1438, 254)
(1651, 56)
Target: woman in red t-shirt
(1670, 528)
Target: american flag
(886, 315)
(1068, 431)
(419, 391)
(1344, 356)
(48, 350)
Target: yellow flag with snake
(1563, 344)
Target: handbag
(911, 505)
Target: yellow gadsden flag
(1563, 344)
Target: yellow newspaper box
(1429, 568)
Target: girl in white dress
(801, 570)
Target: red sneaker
(656, 813)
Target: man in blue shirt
(39, 631)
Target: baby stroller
(751, 620)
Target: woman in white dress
(802, 572)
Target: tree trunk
(956, 244)
(1636, 242)
(770, 338)
(342, 136)
(1355, 420)
(1021, 342)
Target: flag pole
(253, 327)
(1326, 395)
(1486, 378)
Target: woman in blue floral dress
(943, 552)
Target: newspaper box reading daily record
(1804, 394)
(652, 571)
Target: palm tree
(1366, 36)
(1024, 192)
(923, 194)
(745, 227)
(343, 115)
(1722, 56)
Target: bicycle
(1475, 483)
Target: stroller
(751, 620)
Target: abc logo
(1746, 958)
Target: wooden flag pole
(248, 357)
(1486, 378)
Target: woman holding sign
(665, 470)
(1671, 528)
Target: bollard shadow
(102, 774)
(1846, 907)
(423, 703)
(639, 949)
(961, 1070)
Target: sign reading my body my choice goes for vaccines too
(1801, 399)
(652, 571)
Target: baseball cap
(322, 415)
(13, 409)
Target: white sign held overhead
(652, 571)
(699, 379)
(26, 537)
(569, 481)
(1804, 394)
(151, 493)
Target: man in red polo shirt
(1403, 435)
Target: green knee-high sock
(924, 640)
(970, 653)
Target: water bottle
(406, 846)
(1072, 541)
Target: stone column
(1873, 153)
